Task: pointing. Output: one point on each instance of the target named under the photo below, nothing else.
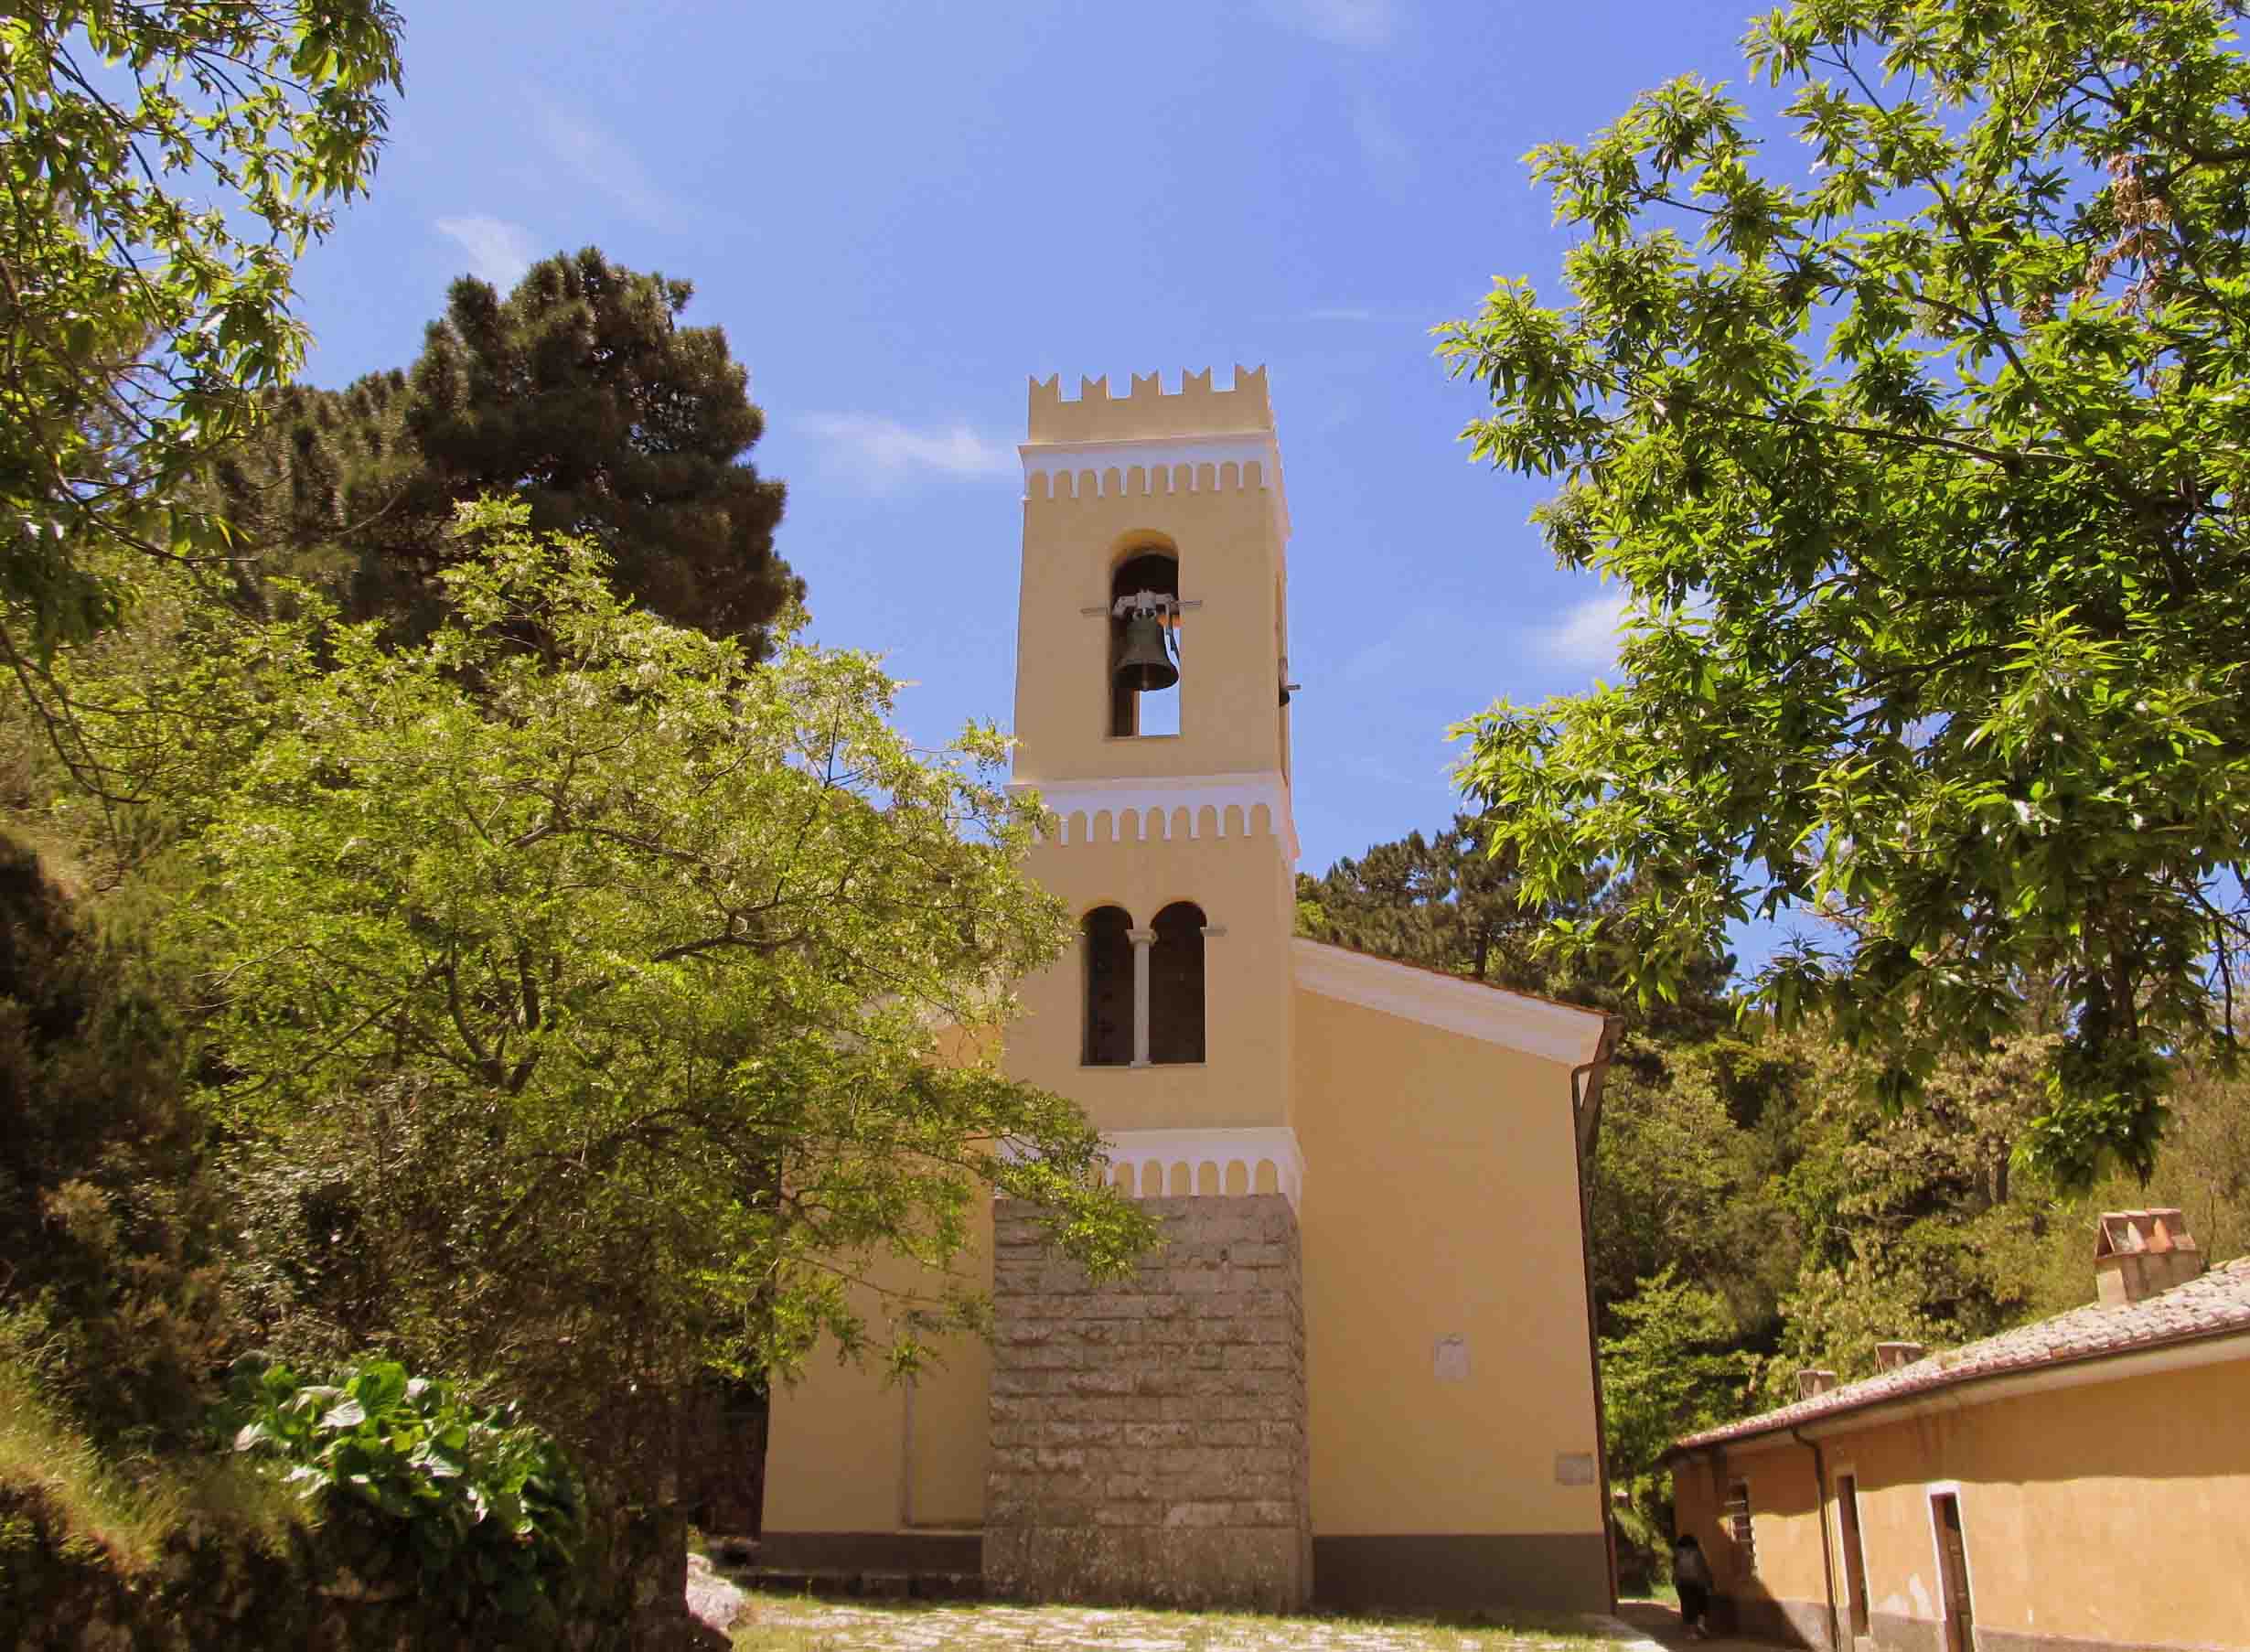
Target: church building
(1359, 1371)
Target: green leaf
(349, 1414)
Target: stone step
(860, 1585)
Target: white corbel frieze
(1080, 805)
(1133, 1152)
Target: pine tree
(1448, 903)
(1441, 902)
(580, 394)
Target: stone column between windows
(1141, 939)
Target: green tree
(592, 1006)
(1670, 1369)
(112, 1225)
(164, 166)
(580, 394)
(1920, 471)
(1441, 902)
(1450, 902)
(1403, 900)
(1912, 1224)
(1697, 1142)
(2204, 1168)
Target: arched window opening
(1175, 985)
(1145, 696)
(1109, 952)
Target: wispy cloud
(604, 166)
(499, 252)
(1585, 633)
(1381, 145)
(892, 448)
(1339, 311)
(1364, 24)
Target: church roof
(1523, 1022)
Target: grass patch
(101, 1513)
(766, 1637)
(123, 1521)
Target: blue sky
(899, 213)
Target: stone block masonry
(1149, 1435)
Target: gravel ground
(711, 1598)
(801, 1623)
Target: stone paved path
(1661, 1625)
(801, 1623)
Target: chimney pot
(1894, 1356)
(2138, 1253)
(1812, 1382)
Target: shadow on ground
(1661, 1624)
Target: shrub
(419, 1489)
(114, 1226)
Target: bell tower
(1151, 715)
(1152, 718)
(1177, 500)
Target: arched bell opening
(1106, 944)
(1144, 645)
(1175, 985)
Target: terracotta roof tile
(2216, 1304)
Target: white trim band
(1077, 461)
(1152, 453)
(1170, 1151)
(1082, 804)
(1554, 1032)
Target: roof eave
(2202, 1346)
(1518, 1021)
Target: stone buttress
(1149, 1435)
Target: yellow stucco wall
(951, 1435)
(1244, 1078)
(839, 1459)
(833, 1451)
(1440, 1199)
(1782, 1562)
(2112, 1512)
(1230, 858)
(849, 1450)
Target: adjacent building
(1360, 1370)
(2077, 1485)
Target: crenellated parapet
(1195, 409)
(1151, 445)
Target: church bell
(1144, 665)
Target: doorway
(1855, 1554)
(1953, 1572)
